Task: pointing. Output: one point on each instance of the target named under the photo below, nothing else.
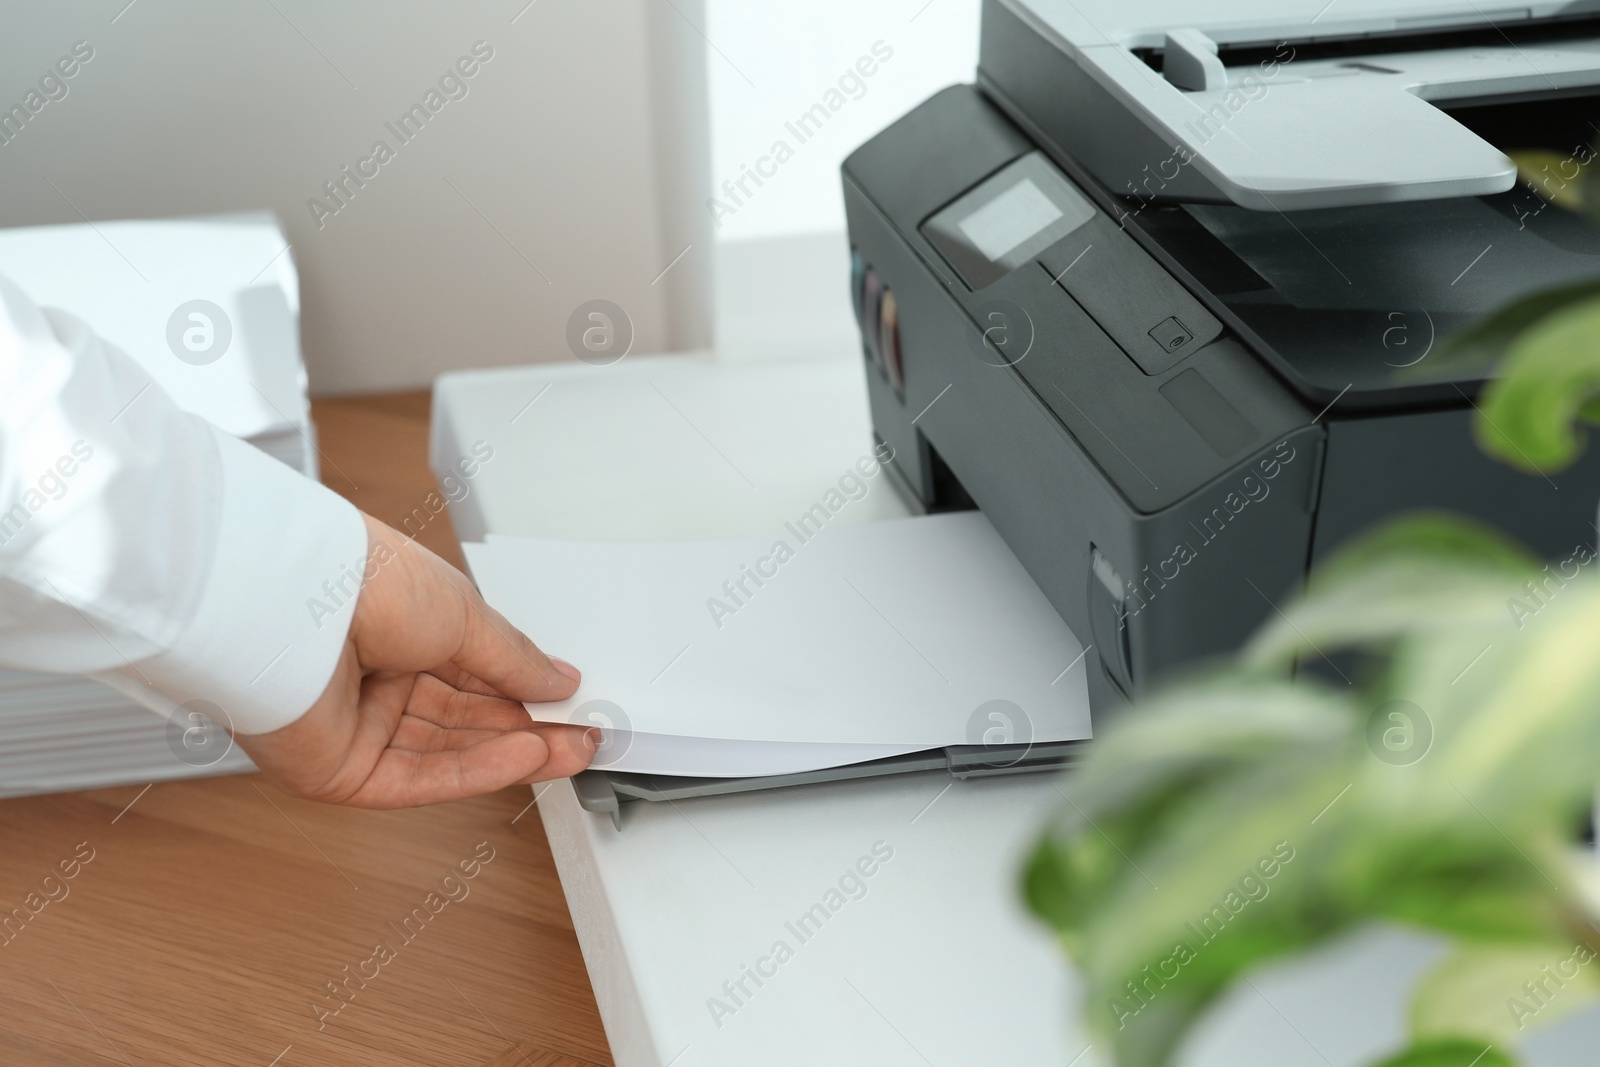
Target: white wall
(769, 62)
(568, 172)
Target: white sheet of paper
(917, 633)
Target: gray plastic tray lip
(605, 792)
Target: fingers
(418, 613)
(395, 740)
(502, 656)
(403, 778)
(454, 676)
(420, 735)
(571, 747)
(456, 708)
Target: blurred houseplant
(1445, 791)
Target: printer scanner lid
(1302, 114)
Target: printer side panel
(965, 423)
(962, 131)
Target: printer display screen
(1007, 219)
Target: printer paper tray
(605, 792)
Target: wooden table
(213, 912)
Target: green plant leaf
(1551, 375)
(1160, 826)
(1449, 1052)
(1521, 738)
(1539, 169)
(1427, 538)
(1460, 878)
(1485, 344)
(1427, 570)
(1151, 873)
(1198, 731)
(1483, 990)
(1151, 764)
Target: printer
(1158, 293)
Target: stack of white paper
(140, 284)
(801, 650)
(59, 734)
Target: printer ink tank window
(1006, 220)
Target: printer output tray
(605, 792)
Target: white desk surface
(936, 963)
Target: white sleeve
(142, 545)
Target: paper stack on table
(139, 284)
(797, 651)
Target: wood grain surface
(214, 913)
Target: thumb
(500, 654)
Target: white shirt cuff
(288, 566)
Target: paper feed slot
(605, 792)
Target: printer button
(1171, 334)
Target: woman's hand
(425, 704)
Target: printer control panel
(1008, 219)
(978, 222)
(1029, 210)
(1152, 318)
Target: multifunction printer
(1159, 292)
